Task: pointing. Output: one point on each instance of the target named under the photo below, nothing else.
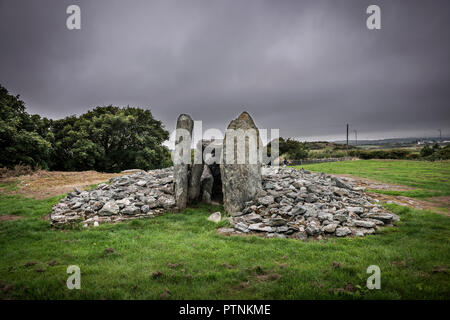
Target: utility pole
(440, 135)
(356, 137)
(347, 136)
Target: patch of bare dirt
(442, 202)
(419, 204)
(44, 184)
(9, 217)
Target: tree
(298, 153)
(442, 153)
(22, 137)
(291, 148)
(426, 151)
(110, 139)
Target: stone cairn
(263, 200)
(300, 204)
(135, 195)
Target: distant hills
(411, 140)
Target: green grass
(430, 178)
(95, 185)
(213, 266)
(417, 193)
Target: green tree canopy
(110, 139)
(24, 139)
(290, 148)
(106, 138)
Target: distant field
(430, 178)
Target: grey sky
(305, 67)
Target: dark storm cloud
(306, 67)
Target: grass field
(429, 178)
(180, 256)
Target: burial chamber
(215, 172)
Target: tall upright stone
(182, 159)
(240, 163)
(196, 174)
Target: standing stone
(207, 182)
(240, 166)
(196, 174)
(182, 157)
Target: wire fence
(311, 161)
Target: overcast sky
(305, 67)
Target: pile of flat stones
(301, 204)
(136, 195)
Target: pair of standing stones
(234, 175)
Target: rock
(385, 217)
(299, 209)
(141, 183)
(195, 184)
(365, 224)
(265, 201)
(330, 228)
(343, 231)
(253, 218)
(340, 217)
(215, 217)
(311, 213)
(123, 203)
(311, 198)
(97, 205)
(312, 229)
(357, 210)
(240, 226)
(110, 208)
(282, 229)
(241, 175)
(207, 182)
(196, 171)
(276, 222)
(260, 227)
(301, 235)
(341, 184)
(77, 205)
(322, 216)
(130, 210)
(182, 159)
